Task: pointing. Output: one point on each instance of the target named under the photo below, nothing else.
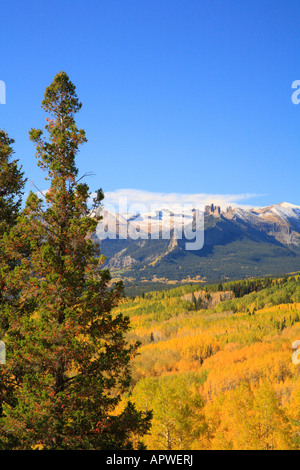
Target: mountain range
(146, 247)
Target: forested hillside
(223, 377)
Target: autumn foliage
(220, 378)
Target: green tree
(12, 183)
(63, 340)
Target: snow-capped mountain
(238, 242)
(281, 221)
(152, 224)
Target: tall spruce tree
(12, 184)
(66, 352)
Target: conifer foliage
(67, 353)
(11, 183)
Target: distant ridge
(238, 243)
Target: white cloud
(148, 198)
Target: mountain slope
(238, 243)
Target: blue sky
(179, 96)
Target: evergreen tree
(12, 183)
(66, 352)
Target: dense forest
(222, 377)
